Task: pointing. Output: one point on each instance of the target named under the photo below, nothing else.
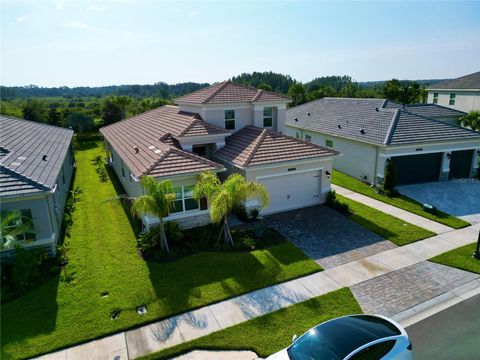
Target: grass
(400, 201)
(103, 258)
(460, 258)
(387, 226)
(272, 332)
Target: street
(451, 334)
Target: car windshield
(337, 338)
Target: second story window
(435, 98)
(452, 99)
(308, 138)
(267, 117)
(230, 119)
(329, 143)
(298, 135)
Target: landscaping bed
(270, 333)
(400, 201)
(106, 276)
(460, 258)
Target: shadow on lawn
(30, 315)
(375, 227)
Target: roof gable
(253, 146)
(229, 92)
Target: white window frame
(229, 119)
(435, 98)
(174, 210)
(268, 117)
(452, 99)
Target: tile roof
(428, 110)
(153, 134)
(23, 147)
(229, 92)
(367, 120)
(252, 146)
(467, 82)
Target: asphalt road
(452, 334)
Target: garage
(413, 169)
(460, 164)
(292, 191)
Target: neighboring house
(368, 132)
(36, 167)
(461, 94)
(222, 128)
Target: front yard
(400, 201)
(460, 258)
(105, 274)
(270, 333)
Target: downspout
(376, 167)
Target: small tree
(389, 178)
(157, 202)
(12, 226)
(224, 197)
(471, 120)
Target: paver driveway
(326, 236)
(459, 198)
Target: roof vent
(339, 126)
(44, 157)
(309, 114)
(296, 119)
(362, 131)
(137, 150)
(376, 109)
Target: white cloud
(98, 8)
(192, 14)
(81, 26)
(177, 10)
(59, 4)
(23, 18)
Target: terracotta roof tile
(229, 92)
(252, 146)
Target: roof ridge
(257, 95)
(136, 115)
(162, 156)
(392, 127)
(194, 121)
(441, 122)
(221, 87)
(256, 145)
(22, 177)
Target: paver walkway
(203, 321)
(394, 211)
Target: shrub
(389, 179)
(331, 198)
(102, 174)
(332, 202)
(254, 213)
(26, 268)
(249, 242)
(240, 212)
(173, 232)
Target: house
(224, 128)
(36, 167)
(462, 93)
(369, 132)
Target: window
(230, 119)
(297, 135)
(308, 138)
(267, 117)
(452, 99)
(435, 98)
(329, 143)
(20, 225)
(377, 351)
(200, 150)
(184, 200)
(123, 172)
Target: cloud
(23, 18)
(192, 14)
(98, 8)
(81, 26)
(59, 4)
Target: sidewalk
(203, 321)
(414, 219)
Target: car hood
(281, 355)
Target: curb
(439, 303)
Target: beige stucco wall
(465, 100)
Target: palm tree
(223, 197)
(471, 120)
(9, 233)
(157, 202)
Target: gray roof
(428, 110)
(467, 82)
(23, 145)
(368, 120)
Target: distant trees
(35, 110)
(265, 86)
(115, 109)
(54, 116)
(297, 93)
(404, 92)
(79, 122)
(278, 82)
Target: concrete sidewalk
(407, 216)
(203, 321)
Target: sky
(95, 43)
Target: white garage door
(293, 191)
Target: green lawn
(400, 201)
(272, 332)
(104, 258)
(387, 226)
(460, 258)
